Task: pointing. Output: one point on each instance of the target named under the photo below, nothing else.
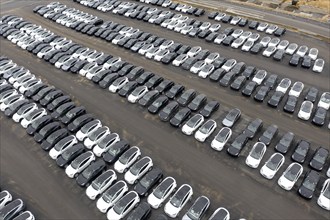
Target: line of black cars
(199, 61)
(13, 209)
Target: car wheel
(75, 176)
(150, 169)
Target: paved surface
(301, 24)
(28, 171)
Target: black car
(261, 93)
(276, 98)
(197, 102)
(228, 40)
(253, 24)
(253, 127)
(58, 101)
(186, 97)
(249, 71)
(319, 117)
(72, 114)
(181, 116)
(142, 212)
(271, 81)
(135, 73)
(227, 78)
(279, 54)
(217, 63)
(285, 142)
(149, 181)
(108, 80)
(319, 158)
(164, 86)
(309, 184)
(300, 153)
(183, 49)
(209, 108)
(50, 97)
(238, 83)
(90, 173)
(12, 209)
(154, 81)
(80, 121)
(5, 87)
(125, 70)
(128, 88)
(101, 75)
(237, 145)
(188, 63)
(217, 74)
(307, 62)
(268, 134)
(211, 37)
(295, 59)
(198, 209)
(12, 109)
(62, 109)
(175, 90)
(102, 59)
(279, 32)
(38, 124)
(34, 90)
(69, 155)
(204, 33)
(159, 103)
(290, 104)
(42, 93)
(168, 111)
(226, 19)
(148, 98)
(53, 138)
(78, 66)
(243, 22)
(238, 68)
(256, 48)
(45, 131)
(312, 94)
(115, 151)
(212, 14)
(168, 58)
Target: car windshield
(272, 164)
(158, 103)
(137, 91)
(75, 164)
(257, 152)
(97, 184)
(95, 135)
(118, 208)
(306, 108)
(327, 192)
(66, 154)
(176, 202)
(167, 110)
(193, 121)
(237, 144)
(319, 158)
(205, 129)
(135, 170)
(85, 129)
(268, 133)
(87, 173)
(193, 214)
(145, 182)
(309, 185)
(290, 175)
(325, 98)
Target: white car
(237, 33)
(256, 154)
(271, 29)
(272, 165)
(313, 53)
(247, 45)
(22, 74)
(221, 138)
(87, 68)
(206, 71)
(215, 27)
(290, 176)
(138, 169)
(32, 116)
(162, 192)
(152, 53)
(180, 59)
(205, 130)
(211, 57)
(62, 145)
(305, 111)
(324, 198)
(197, 66)
(193, 51)
(111, 196)
(284, 85)
(229, 64)
(123, 206)
(291, 48)
(7, 94)
(186, 29)
(79, 164)
(179, 27)
(105, 144)
(205, 25)
(221, 213)
(11, 100)
(28, 85)
(302, 50)
(96, 136)
(161, 54)
(235, 20)
(270, 50)
(262, 26)
(296, 89)
(173, 207)
(127, 159)
(324, 101)
(6, 198)
(24, 111)
(192, 124)
(101, 183)
(220, 38)
(137, 94)
(260, 76)
(318, 65)
(87, 129)
(265, 41)
(254, 37)
(118, 84)
(220, 16)
(23, 80)
(94, 71)
(282, 45)
(237, 43)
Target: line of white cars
(13, 209)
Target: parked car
(231, 118)
(319, 158)
(173, 207)
(220, 213)
(205, 130)
(285, 142)
(148, 182)
(300, 152)
(123, 206)
(305, 111)
(272, 165)
(309, 184)
(237, 145)
(198, 209)
(323, 199)
(138, 169)
(162, 192)
(290, 176)
(256, 154)
(268, 135)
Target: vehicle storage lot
(227, 181)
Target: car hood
(305, 192)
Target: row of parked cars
(218, 68)
(83, 165)
(235, 38)
(224, 122)
(13, 209)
